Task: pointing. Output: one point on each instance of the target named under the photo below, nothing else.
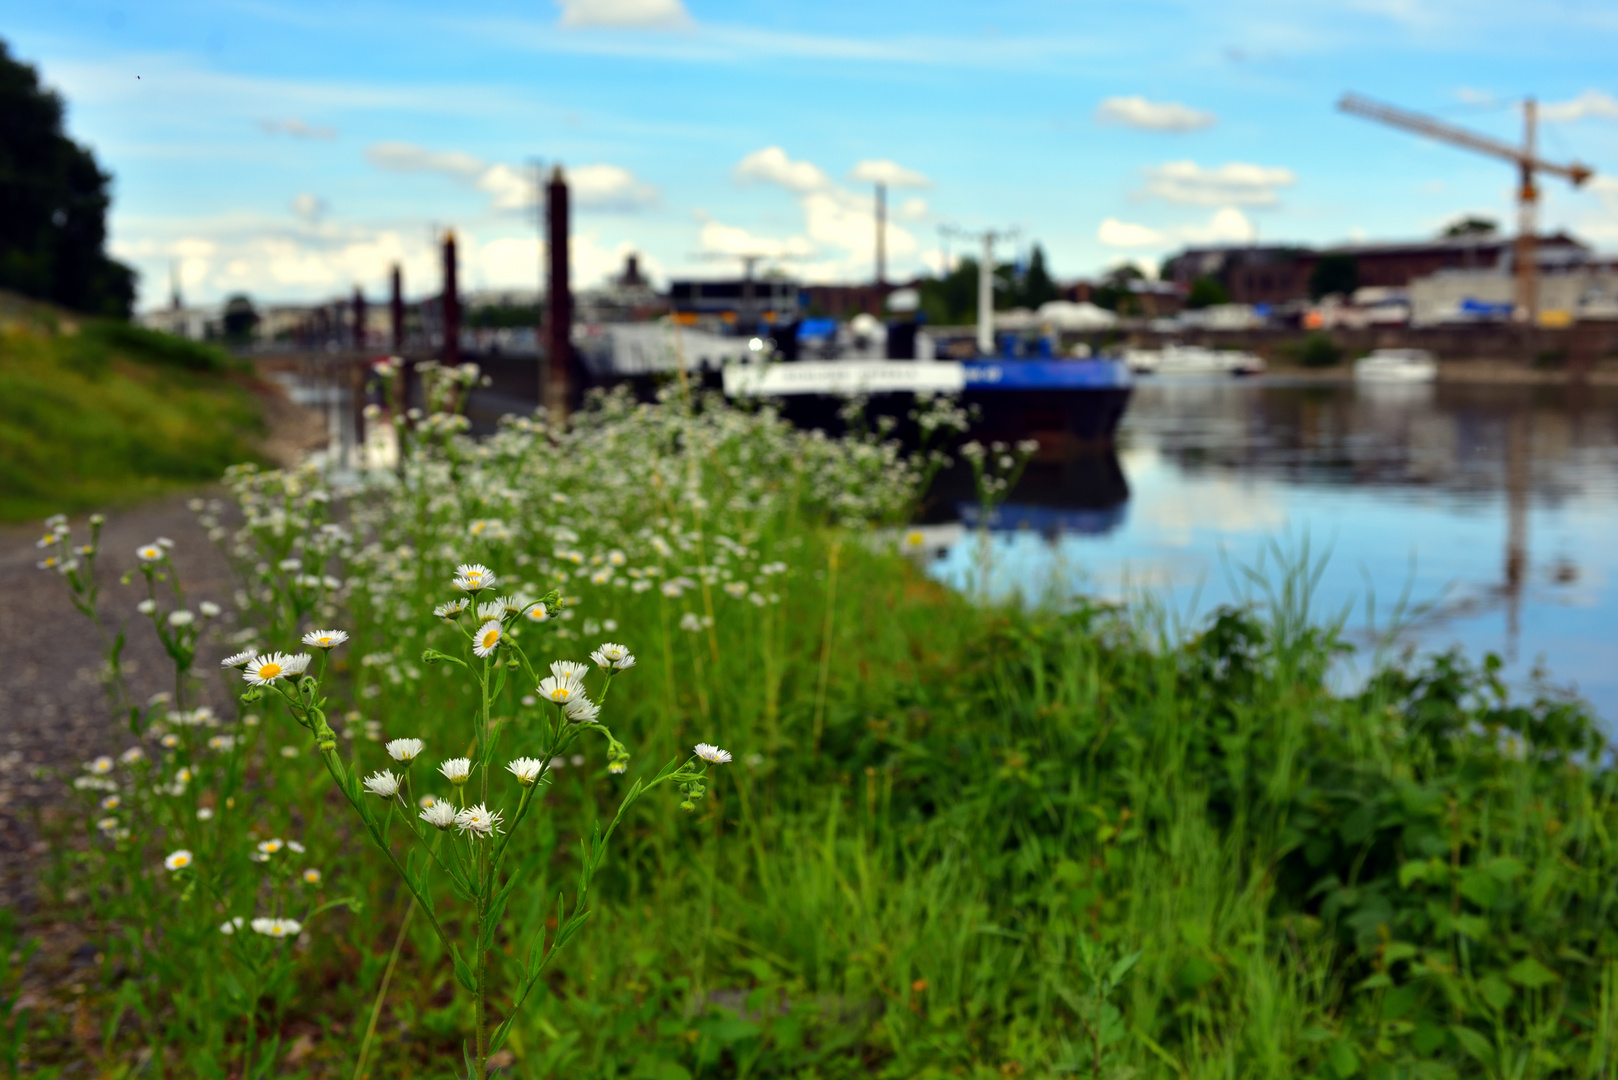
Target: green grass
(110, 413)
(957, 841)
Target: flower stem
(382, 991)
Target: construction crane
(1527, 271)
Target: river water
(1492, 509)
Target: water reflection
(1495, 507)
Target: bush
(1317, 350)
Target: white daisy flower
(404, 750)
(107, 824)
(209, 609)
(164, 542)
(457, 770)
(101, 766)
(238, 659)
(451, 609)
(132, 755)
(613, 657)
(298, 663)
(277, 928)
(177, 860)
(581, 710)
(383, 784)
(537, 613)
(440, 815)
(289, 751)
(560, 691)
(712, 753)
(181, 617)
(487, 639)
(290, 564)
(231, 925)
(264, 670)
(526, 770)
(325, 639)
(270, 847)
(222, 742)
(569, 669)
(493, 609)
(150, 553)
(146, 607)
(169, 741)
(110, 802)
(204, 813)
(295, 847)
(311, 876)
(477, 821)
(474, 577)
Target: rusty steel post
(452, 305)
(359, 319)
(396, 311)
(559, 309)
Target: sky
(295, 150)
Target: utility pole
(1527, 220)
(881, 234)
(396, 310)
(539, 287)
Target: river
(1492, 508)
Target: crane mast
(1524, 157)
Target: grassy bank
(101, 413)
(955, 841)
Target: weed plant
(957, 840)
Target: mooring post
(452, 305)
(559, 309)
(396, 311)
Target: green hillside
(96, 413)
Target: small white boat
(1397, 365)
(1192, 360)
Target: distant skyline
(294, 150)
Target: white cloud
(891, 173)
(1234, 183)
(296, 128)
(646, 14)
(309, 207)
(1227, 226)
(1595, 103)
(834, 217)
(407, 158)
(718, 238)
(772, 166)
(1136, 112)
(913, 209)
(1471, 95)
(513, 262)
(1125, 234)
(593, 187)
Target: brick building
(1275, 274)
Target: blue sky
(293, 150)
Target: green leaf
(1396, 951)
(1530, 973)
(1342, 1059)
(1504, 868)
(1494, 991)
(1473, 1043)
(1120, 967)
(463, 971)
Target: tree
(240, 318)
(1114, 293)
(1036, 286)
(952, 300)
(1472, 226)
(1337, 272)
(1206, 292)
(53, 204)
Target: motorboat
(1192, 360)
(1397, 365)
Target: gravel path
(56, 712)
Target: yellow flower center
(561, 693)
(490, 638)
(269, 671)
(182, 860)
(474, 579)
(324, 639)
